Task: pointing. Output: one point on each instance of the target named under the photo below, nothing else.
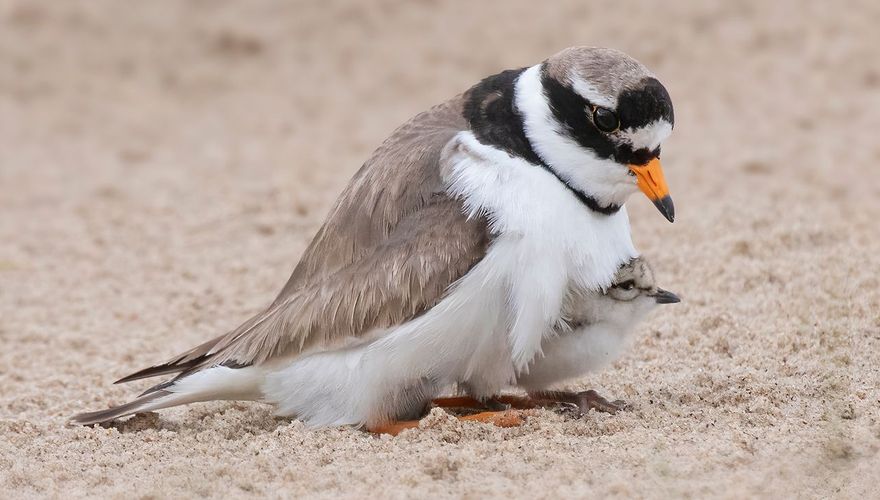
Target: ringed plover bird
(449, 255)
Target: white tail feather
(218, 383)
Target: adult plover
(448, 256)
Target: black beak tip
(666, 297)
(666, 207)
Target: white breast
(546, 239)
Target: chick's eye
(605, 119)
(626, 285)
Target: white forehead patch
(648, 137)
(592, 94)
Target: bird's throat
(495, 121)
(591, 202)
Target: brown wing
(398, 179)
(387, 252)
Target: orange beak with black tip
(653, 184)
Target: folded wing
(387, 252)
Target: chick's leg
(584, 401)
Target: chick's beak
(653, 184)
(665, 297)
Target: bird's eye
(605, 119)
(626, 285)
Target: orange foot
(506, 418)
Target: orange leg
(583, 401)
(506, 418)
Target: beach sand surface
(164, 164)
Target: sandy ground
(163, 164)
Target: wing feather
(388, 251)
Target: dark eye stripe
(568, 108)
(572, 110)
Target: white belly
(491, 324)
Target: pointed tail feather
(218, 383)
(152, 401)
